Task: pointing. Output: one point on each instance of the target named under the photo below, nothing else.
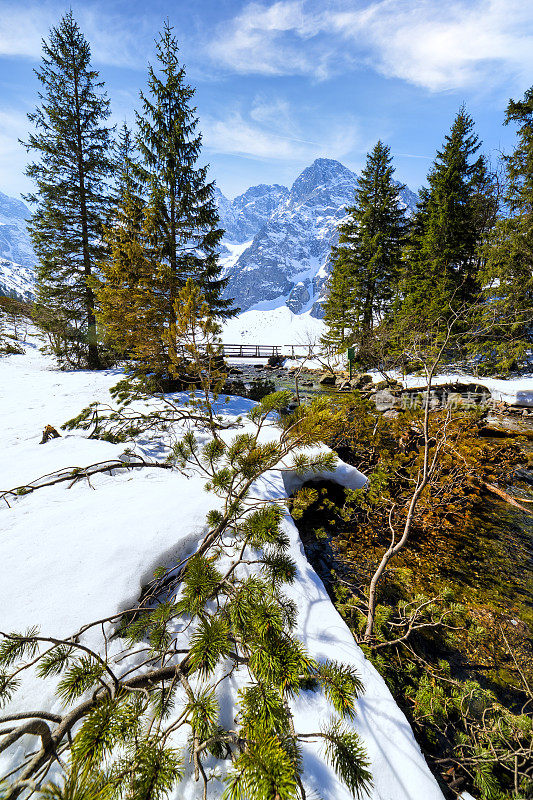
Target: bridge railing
(251, 350)
(267, 350)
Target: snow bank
(275, 326)
(514, 391)
(69, 556)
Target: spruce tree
(72, 143)
(366, 262)
(508, 272)
(181, 214)
(130, 309)
(339, 314)
(455, 210)
(129, 291)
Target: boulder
(456, 400)
(298, 298)
(385, 400)
(392, 413)
(327, 379)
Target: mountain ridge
(286, 259)
(275, 249)
(17, 260)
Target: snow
(72, 555)
(227, 261)
(514, 391)
(273, 326)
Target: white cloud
(114, 41)
(276, 39)
(437, 45)
(239, 134)
(13, 158)
(443, 45)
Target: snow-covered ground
(273, 324)
(69, 556)
(514, 391)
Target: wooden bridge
(251, 350)
(267, 350)
(259, 350)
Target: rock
(288, 232)
(392, 413)
(276, 361)
(500, 425)
(362, 382)
(385, 400)
(235, 371)
(327, 379)
(456, 400)
(298, 298)
(344, 386)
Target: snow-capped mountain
(277, 240)
(276, 246)
(17, 259)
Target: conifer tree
(72, 143)
(128, 293)
(181, 215)
(508, 272)
(339, 314)
(457, 207)
(366, 262)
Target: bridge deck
(266, 350)
(251, 350)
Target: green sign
(351, 354)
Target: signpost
(351, 359)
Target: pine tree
(215, 620)
(457, 207)
(72, 142)
(339, 314)
(125, 167)
(366, 262)
(130, 309)
(129, 290)
(508, 273)
(181, 214)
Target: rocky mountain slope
(276, 246)
(16, 255)
(278, 240)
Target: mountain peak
(321, 172)
(278, 242)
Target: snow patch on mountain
(273, 322)
(291, 234)
(17, 258)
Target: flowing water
(494, 549)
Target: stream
(494, 548)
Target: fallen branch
(74, 474)
(507, 497)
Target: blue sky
(282, 83)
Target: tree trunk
(93, 357)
